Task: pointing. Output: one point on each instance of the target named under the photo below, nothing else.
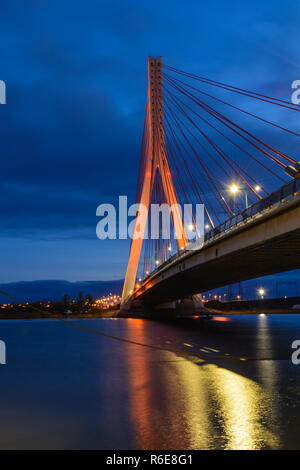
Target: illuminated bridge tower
(154, 159)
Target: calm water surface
(64, 387)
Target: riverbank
(175, 315)
(36, 315)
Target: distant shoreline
(35, 315)
(146, 315)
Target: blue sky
(76, 81)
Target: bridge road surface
(67, 388)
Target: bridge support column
(155, 160)
(168, 305)
(192, 304)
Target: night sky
(76, 77)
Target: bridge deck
(265, 243)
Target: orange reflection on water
(221, 318)
(140, 387)
(152, 400)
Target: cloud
(76, 84)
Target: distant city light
(257, 187)
(108, 301)
(261, 292)
(207, 226)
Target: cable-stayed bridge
(238, 156)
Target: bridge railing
(256, 209)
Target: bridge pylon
(155, 161)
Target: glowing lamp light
(157, 262)
(257, 187)
(234, 189)
(191, 227)
(207, 226)
(170, 248)
(261, 292)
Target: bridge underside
(268, 258)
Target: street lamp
(261, 292)
(234, 189)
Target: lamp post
(234, 189)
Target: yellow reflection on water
(243, 407)
(268, 371)
(191, 404)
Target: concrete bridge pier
(192, 305)
(183, 307)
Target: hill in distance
(32, 291)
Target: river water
(223, 383)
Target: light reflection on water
(221, 318)
(191, 404)
(242, 407)
(64, 387)
(268, 371)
